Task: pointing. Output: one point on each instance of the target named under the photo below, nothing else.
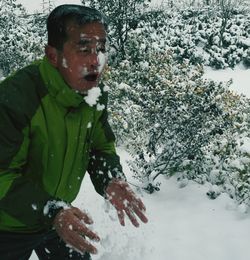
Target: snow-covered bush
(175, 122)
(20, 39)
(225, 161)
(196, 35)
(166, 113)
(123, 16)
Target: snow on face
(102, 58)
(101, 55)
(84, 71)
(64, 63)
(82, 36)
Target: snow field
(183, 224)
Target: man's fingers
(131, 197)
(141, 215)
(79, 243)
(139, 204)
(123, 198)
(138, 207)
(121, 217)
(81, 229)
(82, 215)
(132, 217)
(71, 228)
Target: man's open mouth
(91, 77)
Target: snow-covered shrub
(123, 16)
(20, 41)
(200, 34)
(166, 113)
(196, 35)
(175, 122)
(225, 161)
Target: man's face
(82, 60)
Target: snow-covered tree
(20, 41)
(122, 16)
(227, 9)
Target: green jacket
(49, 137)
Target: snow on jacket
(49, 138)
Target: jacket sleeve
(20, 197)
(104, 164)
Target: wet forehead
(89, 32)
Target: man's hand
(125, 201)
(69, 224)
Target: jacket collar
(57, 87)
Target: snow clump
(92, 96)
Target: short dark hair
(60, 17)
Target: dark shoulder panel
(20, 97)
(21, 94)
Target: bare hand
(69, 224)
(124, 200)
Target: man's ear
(52, 55)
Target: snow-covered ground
(240, 76)
(184, 224)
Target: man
(51, 132)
